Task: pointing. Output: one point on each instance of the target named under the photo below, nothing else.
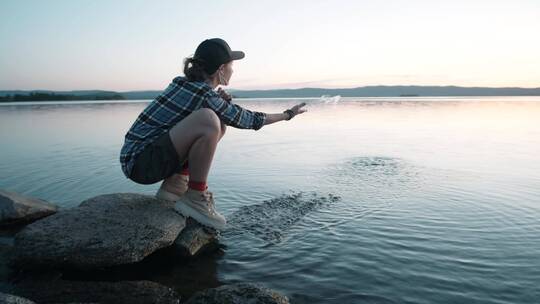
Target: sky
(140, 45)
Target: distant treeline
(58, 97)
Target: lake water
(368, 200)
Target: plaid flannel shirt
(176, 102)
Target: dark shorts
(156, 162)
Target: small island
(409, 95)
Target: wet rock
(107, 230)
(63, 291)
(196, 239)
(238, 294)
(11, 299)
(17, 209)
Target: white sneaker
(181, 186)
(200, 206)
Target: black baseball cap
(215, 52)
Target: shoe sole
(187, 211)
(168, 196)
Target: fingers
(298, 108)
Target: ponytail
(194, 69)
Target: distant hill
(390, 91)
(88, 93)
(75, 93)
(51, 96)
(368, 91)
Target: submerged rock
(11, 299)
(106, 230)
(129, 292)
(238, 294)
(18, 209)
(196, 239)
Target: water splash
(327, 99)
(271, 219)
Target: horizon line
(276, 89)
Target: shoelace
(208, 197)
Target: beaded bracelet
(290, 112)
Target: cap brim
(237, 55)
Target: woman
(174, 138)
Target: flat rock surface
(106, 230)
(16, 208)
(247, 293)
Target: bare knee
(210, 121)
(202, 123)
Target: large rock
(129, 292)
(17, 209)
(196, 239)
(106, 230)
(6, 253)
(11, 299)
(238, 294)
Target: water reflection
(439, 198)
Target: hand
(297, 109)
(224, 94)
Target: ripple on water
(377, 177)
(402, 231)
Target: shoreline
(368, 98)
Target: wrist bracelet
(290, 112)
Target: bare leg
(195, 138)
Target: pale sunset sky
(139, 45)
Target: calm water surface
(369, 200)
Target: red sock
(199, 186)
(185, 169)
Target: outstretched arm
(297, 109)
(235, 115)
(270, 118)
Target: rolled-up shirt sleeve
(234, 115)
